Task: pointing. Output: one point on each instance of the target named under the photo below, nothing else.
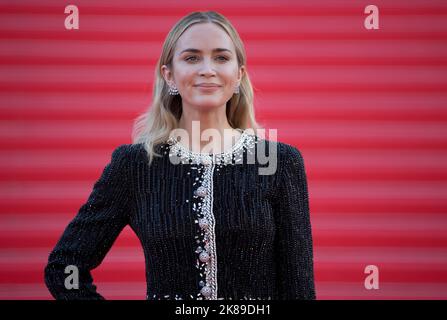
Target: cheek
(184, 77)
(231, 76)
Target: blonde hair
(154, 126)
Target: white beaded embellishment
(187, 297)
(206, 242)
(232, 156)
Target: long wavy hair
(163, 115)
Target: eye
(195, 58)
(223, 58)
(190, 58)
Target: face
(204, 67)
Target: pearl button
(201, 192)
(203, 223)
(204, 256)
(206, 291)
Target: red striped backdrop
(367, 108)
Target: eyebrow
(199, 51)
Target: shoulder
(127, 152)
(290, 158)
(290, 152)
(286, 152)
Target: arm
(90, 235)
(294, 246)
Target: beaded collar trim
(232, 156)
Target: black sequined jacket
(211, 226)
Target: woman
(211, 226)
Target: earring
(173, 90)
(236, 90)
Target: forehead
(205, 37)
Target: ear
(167, 74)
(241, 73)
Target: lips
(208, 85)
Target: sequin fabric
(210, 226)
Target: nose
(206, 68)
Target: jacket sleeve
(90, 235)
(294, 245)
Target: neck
(208, 131)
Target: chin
(209, 103)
